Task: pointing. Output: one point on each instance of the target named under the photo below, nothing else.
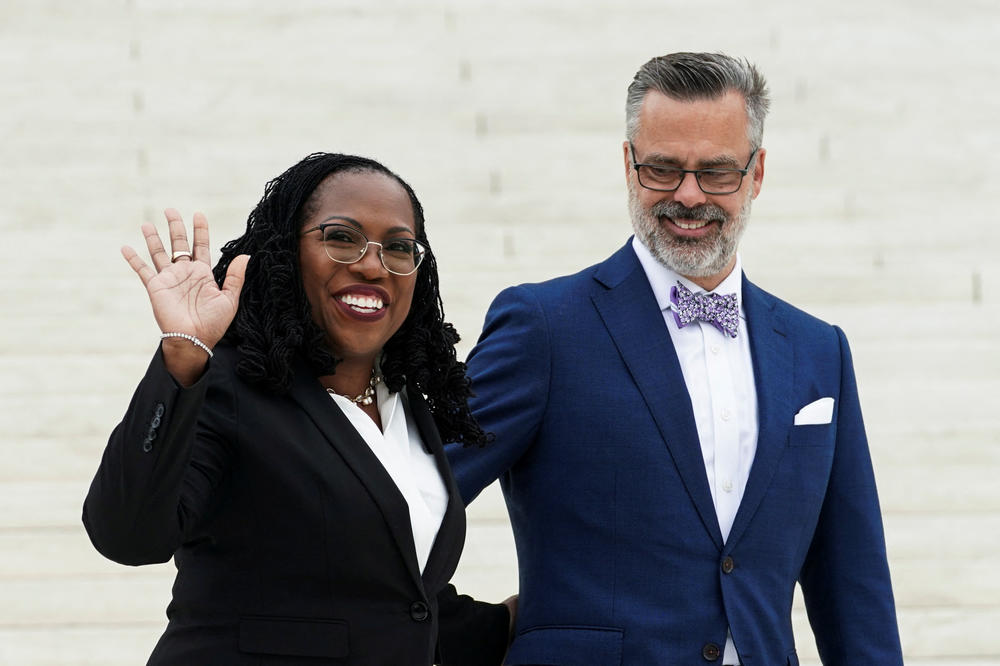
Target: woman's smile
(363, 302)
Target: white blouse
(401, 451)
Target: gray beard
(703, 257)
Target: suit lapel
(773, 367)
(337, 429)
(629, 310)
(450, 538)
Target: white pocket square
(816, 413)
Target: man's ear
(758, 171)
(628, 161)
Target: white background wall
(878, 213)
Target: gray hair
(694, 76)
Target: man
(676, 446)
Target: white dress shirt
(401, 451)
(718, 372)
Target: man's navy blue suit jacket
(621, 560)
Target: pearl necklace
(367, 396)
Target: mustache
(702, 213)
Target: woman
(285, 444)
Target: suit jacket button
(710, 652)
(728, 564)
(419, 611)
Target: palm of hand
(185, 298)
(182, 289)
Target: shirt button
(726, 415)
(715, 349)
(727, 485)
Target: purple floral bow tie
(723, 312)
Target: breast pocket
(294, 637)
(812, 435)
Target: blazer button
(419, 611)
(728, 564)
(710, 652)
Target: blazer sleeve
(162, 466)
(845, 577)
(509, 370)
(470, 632)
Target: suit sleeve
(845, 577)
(161, 468)
(509, 369)
(471, 633)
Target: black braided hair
(274, 321)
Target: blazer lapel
(447, 548)
(629, 310)
(337, 429)
(773, 367)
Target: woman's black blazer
(292, 543)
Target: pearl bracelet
(195, 341)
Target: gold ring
(178, 254)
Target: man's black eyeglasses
(666, 178)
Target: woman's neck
(351, 378)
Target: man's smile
(688, 224)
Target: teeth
(687, 225)
(363, 303)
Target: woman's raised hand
(184, 294)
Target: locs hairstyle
(274, 324)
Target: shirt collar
(661, 278)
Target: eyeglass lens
(347, 245)
(711, 181)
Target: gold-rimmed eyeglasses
(347, 245)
